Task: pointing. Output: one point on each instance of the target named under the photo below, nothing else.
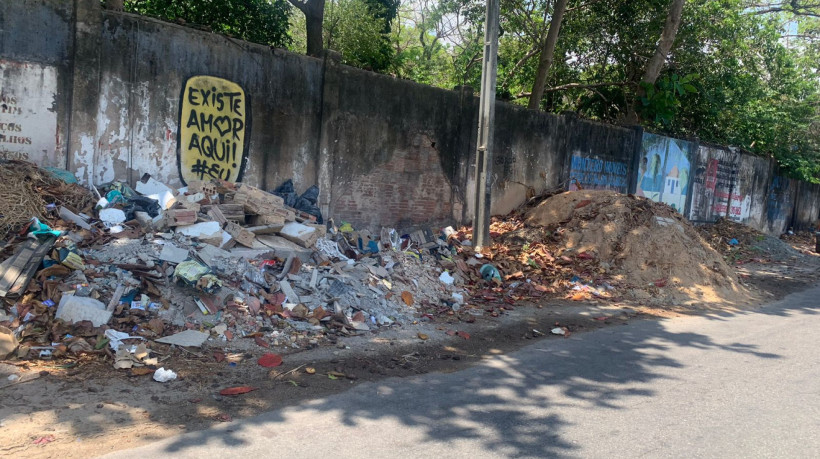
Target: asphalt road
(730, 385)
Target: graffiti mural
(714, 188)
(213, 130)
(664, 170)
(597, 174)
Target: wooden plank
(22, 268)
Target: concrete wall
(807, 208)
(599, 156)
(112, 96)
(36, 52)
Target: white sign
(28, 114)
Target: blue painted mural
(664, 170)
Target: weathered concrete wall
(146, 64)
(748, 203)
(397, 149)
(714, 179)
(599, 156)
(780, 204)
(807, 208)
(111, 96)
(36, 49)
(528, 155)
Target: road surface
(729, 385)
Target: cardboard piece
(8, 342)
(76, 309)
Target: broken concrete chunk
(187, 338)
(180, 217)
(210, 232)
(70, 216)
(284, 248)
(151, 186)
(288, 291)
(304, 235)
(76, 309)
(173, 254)
(257, 201)
(112, 216)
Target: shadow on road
(493, 402)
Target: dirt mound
(644, 246)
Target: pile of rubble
(741, 244)
(602, 246)
(229, 264)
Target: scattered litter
(163, 375)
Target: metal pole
(486, 114)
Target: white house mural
(664, 170)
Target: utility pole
(486, 115)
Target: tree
(355, 28)
(259, 21)
(314, 11)
(670, 29)
(547, 51)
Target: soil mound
(644, 246)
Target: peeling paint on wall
(28, 115)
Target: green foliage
(259, 21)
(744, 73)
(660, 101)
(355, 28)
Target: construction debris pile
(741, 244)
(605, 245)
(123, 272)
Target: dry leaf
(407, 297)
(270, 360)
(237, 390)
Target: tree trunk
(547, 52)
(655, 64)
(314, 11)
(670, 29)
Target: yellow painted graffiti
(212, 129)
